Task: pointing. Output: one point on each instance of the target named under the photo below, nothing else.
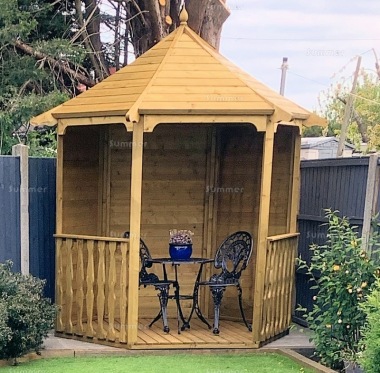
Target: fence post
(21, 151)
(370, 199)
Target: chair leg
(240, 294)
(217, 296)
(159, 315)
(163, 295)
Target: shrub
(5, 331)
(370, 359)
(26, 316)
(343, 276)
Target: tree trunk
(197, 13)
(216, 14)
(206, 18)
(117, 37)
(155, 21)
(92, 15)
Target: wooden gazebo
(180, 138)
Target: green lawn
(177, 362)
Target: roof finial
(184, 16)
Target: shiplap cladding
(282, 171)
(238, 196)
(81, 180)
(173, 195)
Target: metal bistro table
(178, 296)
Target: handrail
(282, 236)
(95, 238)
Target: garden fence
(348, 185)
(27, 214)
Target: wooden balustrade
(279, 285)
(92, 286)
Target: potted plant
(180, 244)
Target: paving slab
(57, 343)
(298, 338)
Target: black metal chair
(232, 258)
(151, 279)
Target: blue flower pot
(180, 252)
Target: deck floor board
(232, 335)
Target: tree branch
(57, 65)
(92, 11)
(83, 35)
(359, 120)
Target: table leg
(195, 308)
(180, 316)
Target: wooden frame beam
(153, 120)
(59, 181)
(134, 228)
(265, 197)
(92, 121)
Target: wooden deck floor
(232, 335)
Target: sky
(320, 38)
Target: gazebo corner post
(59, 181)
(134, 243)
(59, 230)
(263, 229)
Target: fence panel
(42, 181)
(10, 242)
(337, 184)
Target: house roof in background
(313, 142)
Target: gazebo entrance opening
(205, 178)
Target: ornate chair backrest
(233, 255)
(144, 259)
